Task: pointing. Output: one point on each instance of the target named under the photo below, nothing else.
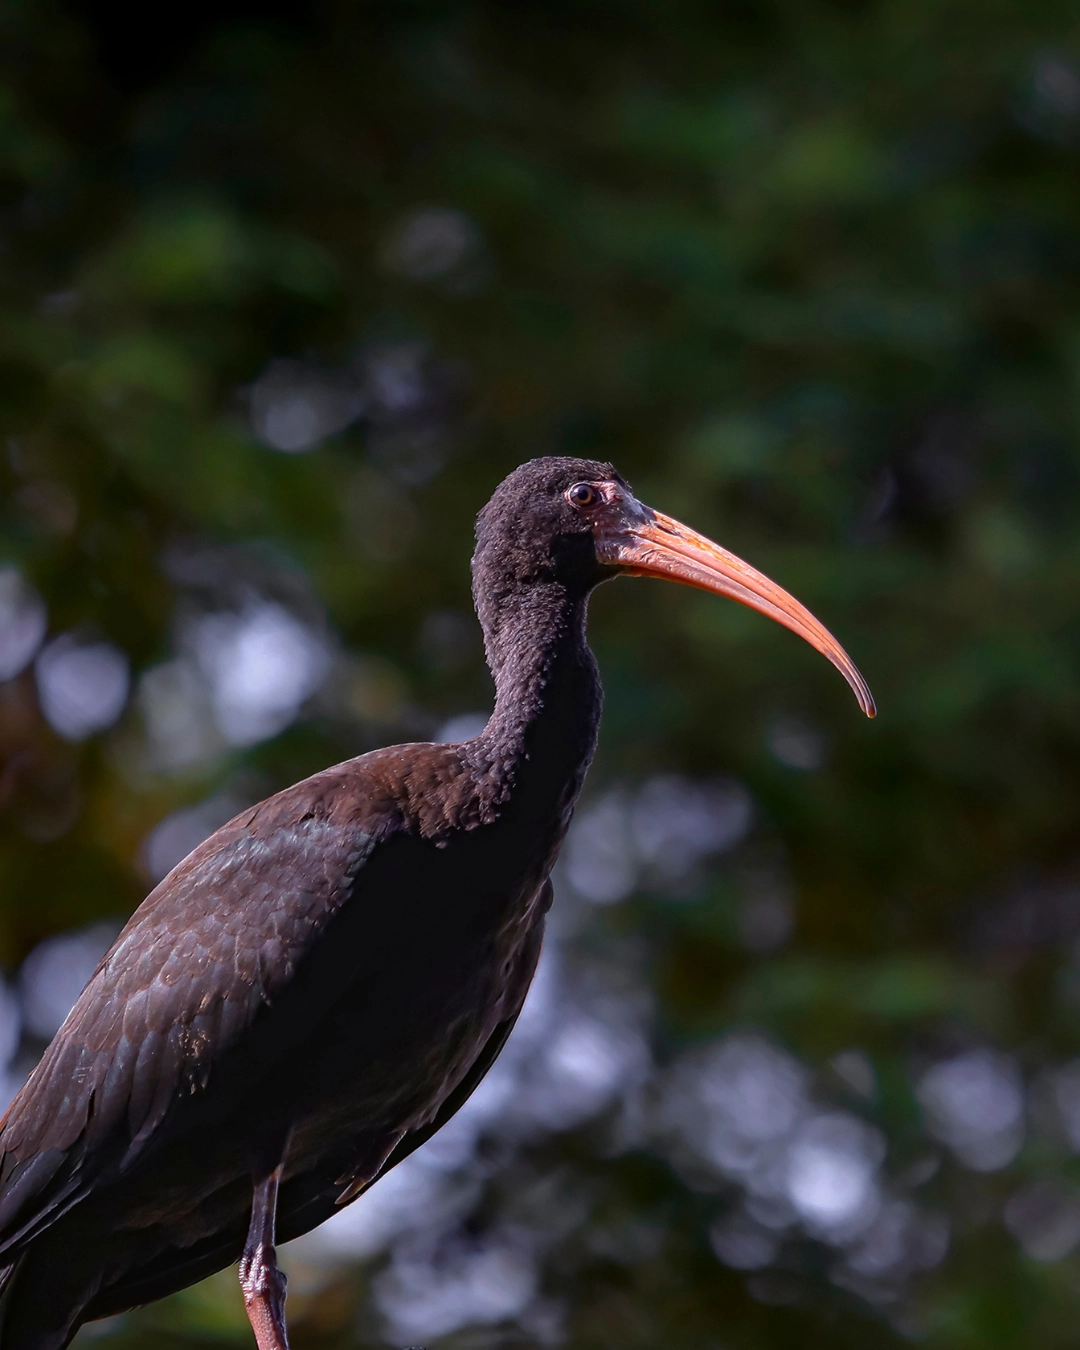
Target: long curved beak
(657, 546)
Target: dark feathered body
(324, 980)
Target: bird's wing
(305, 1202)
(205, 952)
(313, 1197)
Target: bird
(319, 986)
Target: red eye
(582, 494)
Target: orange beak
(657, 546)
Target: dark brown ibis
(319, 986)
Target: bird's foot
(263, 1284)
(261, 1274)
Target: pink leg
(261, 1280)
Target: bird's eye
(582, 494)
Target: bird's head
(577, 522)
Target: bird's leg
(261, 1279)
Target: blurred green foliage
(809, 274)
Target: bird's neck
(540, 738)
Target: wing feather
(306, 1201)
(202, 955)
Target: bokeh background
(285, 292)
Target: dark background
(286, 290)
